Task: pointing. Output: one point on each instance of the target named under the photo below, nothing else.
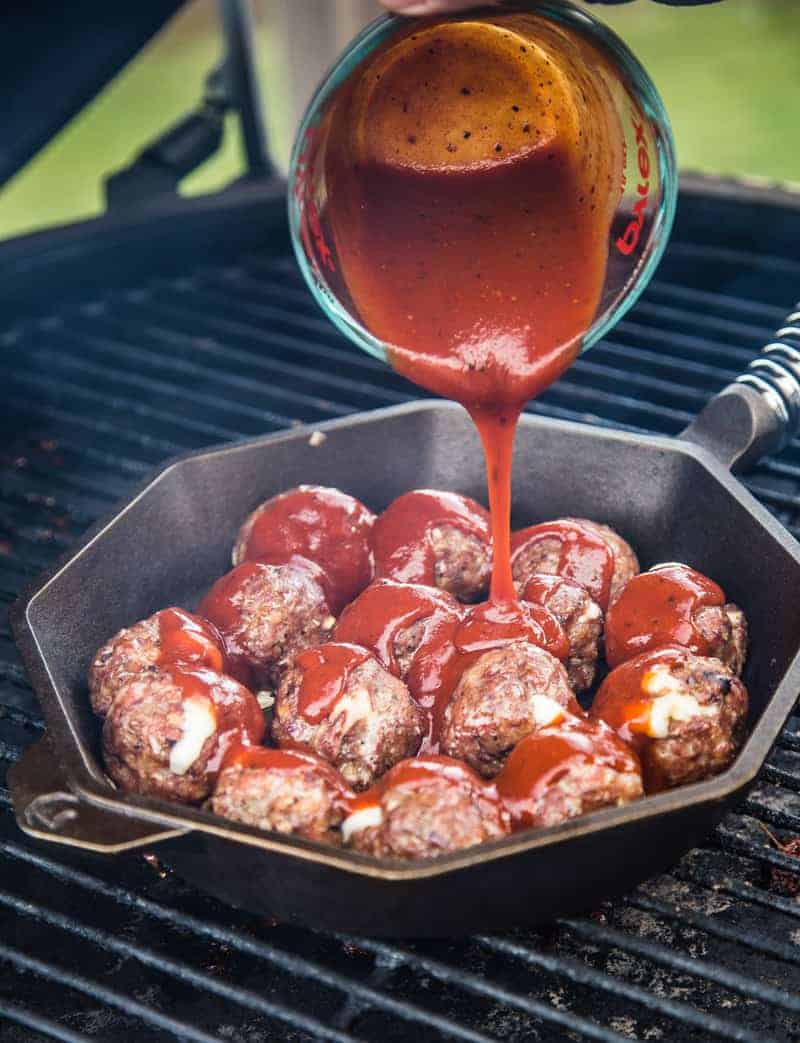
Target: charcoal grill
(107, 372)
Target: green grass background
(729, 74)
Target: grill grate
(102, 390)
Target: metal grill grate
(116, 949)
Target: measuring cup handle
(759, 412)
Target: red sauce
(386, 608)
(657, 608)
(427, 770)
(323, 525)
(185, 638)
(441, 660)
(239, 718)
(265, 758)
(622, 702)
(326, 672)
(584, 559)
(400, 537)
(471, 170)
(541, 760)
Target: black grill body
(131, 340)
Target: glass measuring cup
(551, 62)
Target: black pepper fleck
(466, 90)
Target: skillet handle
(46, 808)
(759, 412)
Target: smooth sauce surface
(584, 557)
(325, 673)
(472, 169)
(657, 608)
(186, 638)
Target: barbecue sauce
(185, 638)
(472, 168)
(540, 761)
(658, 608)
(269, 759)
(417, 772)
(400, 537)
(325, 672)
(321, 525)
(585, 559)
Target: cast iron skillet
(673, 499)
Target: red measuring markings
(629, 240)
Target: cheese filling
(199, 724)
(672, 703)
(364, 818)
(546, 710)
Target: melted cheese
(364, 818)
(546, 710)
(672, 702)
(199, 724)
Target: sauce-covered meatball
(675, 605)
(505, 695)
(167, 731)
(289, 791)
(626, 563)
(683, 714)
(424, 807)
(393, 619)
(171, 636)
(339, 701)
(439, 539)
(581, 618)
(323, 525)
(268, 613)
(583, 552)
(566, 770)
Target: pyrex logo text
(628, 241)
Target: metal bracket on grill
(160, 167)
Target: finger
(425, 7)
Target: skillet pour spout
(675, 499)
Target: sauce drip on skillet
(472, 169)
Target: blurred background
(729, 74)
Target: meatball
(675, 605)
(393, 619)
(581, 618)
(424, 807)
(338, 701)
(167, 731)
(289, 791)
(325, 526)
(438, 539)
(626, 564)
(268, 613)
(574, 549)
(169, 636)
(566, 770)
(502, 697)
(684, 714)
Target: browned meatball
(167, 731)
(504, 696)
(392, 619)
(626, 564)
(725, 629)
(684, 714)
(674, 604)
(462, 562)
(340, 702)
(170, 636)
(581, 618)
(289, 791)
(424, 807)
(439, 539)
(268, 613)
(566, 770)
